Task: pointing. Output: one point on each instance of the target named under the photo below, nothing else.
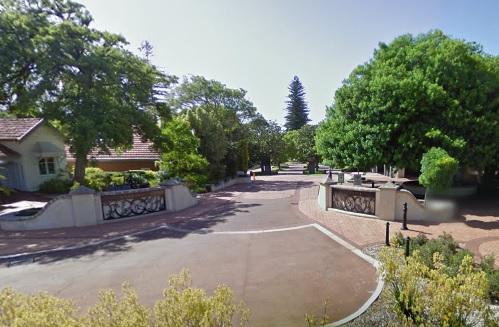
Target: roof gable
(15, 129)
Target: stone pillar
(324, 197)
(168, 186)
(400, 173)
(85, 211)
(386, 200)
(357, 179)
(341, 177)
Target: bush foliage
(451, 259)
(55, 186)
(425, 296)
(437, 170)
(181, 305)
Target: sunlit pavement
(259, 243)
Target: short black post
(407, 245)
(387, 234)
(372, 184)
(404, 222)
(330, 174)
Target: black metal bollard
(387, 234)
(404, 222)
(372, 184)
(407, 245)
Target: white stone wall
(84, 209)
(390, 201)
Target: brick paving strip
(22, 243)
(477, 232)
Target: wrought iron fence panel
(354, 201)
(132, 204)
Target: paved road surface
(259, 244)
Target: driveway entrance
(279, 262)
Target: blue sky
(259, 45)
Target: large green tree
(297, 109)
(54, 65)
(219, 116)
(196, 91)
(416, 93)
(180, 158)
(300, 146)
(208, 125)
(267, 146)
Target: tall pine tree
(297, 110)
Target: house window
(46, 166)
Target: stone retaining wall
(84, 206)
(387, 203)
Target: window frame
(45, 164)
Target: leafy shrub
(41, 310)
(151, 177)
(55, 186)
(96, 178)
(183, 159)
(143, 176)
(451, 256)
(437, 170)
(181, 305)
(4, 189)
(196, 182)
(397, 240)
(487, 265)
(117, 178)
(424, 296)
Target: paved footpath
(253, 238)
(476, 227)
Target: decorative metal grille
(354, 201)
(132, 204)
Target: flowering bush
(181, 305)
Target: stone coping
(354, 188)
(133, 190)
(41, 211)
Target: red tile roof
(15, 129)
(140, 151)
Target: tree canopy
(297, 109)
(300, 146)
(415, 93)
(266, 143)
(219, 116)
(182, 159)
(56, 66)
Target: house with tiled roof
(142, 155)
(31, 152)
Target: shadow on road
(184, 222)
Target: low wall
(233, 181)
(356, 199)
(418, 211)
(84, 207)
(386, 202)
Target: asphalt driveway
(274, 258)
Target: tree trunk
(80, 165)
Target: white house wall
(29, 159)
